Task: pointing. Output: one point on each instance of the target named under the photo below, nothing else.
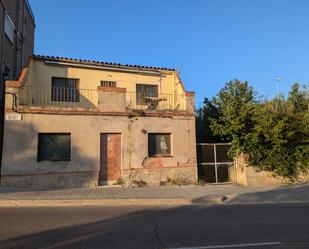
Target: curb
(267, 202)
(94, 202)
(112, 202)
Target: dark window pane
(159, 144)
(105, 83)
(152, 145)
(143, 91)
(54, 147)
(64, 89)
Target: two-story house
(79, 123)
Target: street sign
(13, 117)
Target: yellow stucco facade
(37, 84)
(109, 134)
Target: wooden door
(110, 159)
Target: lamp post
(277, 85)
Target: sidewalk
(209, 194)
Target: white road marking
(233, 245)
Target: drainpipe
(1, 57)
(22, 3)
(2, 97)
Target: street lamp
(277, 85)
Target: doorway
(110, 158)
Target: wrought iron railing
(139, 101)
(89, 98)
(57, 97)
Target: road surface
(266, 226)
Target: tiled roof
(99, 63)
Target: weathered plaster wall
(249, 176)
(20, 166)
(111, 99)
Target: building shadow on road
(286, 193)
(137, 229)
(157, 226)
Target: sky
(209, 41)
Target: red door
(110, 161)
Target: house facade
(78, 123)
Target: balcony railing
(139, 101)
(89, 98)
(57, 97)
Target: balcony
(103, 99)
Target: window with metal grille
(65, 89)
(54, 146)
(106, 83)
(143, 91)
(159, 144)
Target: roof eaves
(82, 61)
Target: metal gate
(214, 165)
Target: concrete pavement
(211, 194)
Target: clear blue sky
(209, 41)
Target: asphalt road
(196, 226)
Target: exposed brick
(190, 94)
(112, 89)
(153, 162)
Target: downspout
(22, 37)
(2, 45)
(2, 93)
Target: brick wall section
(190, 94)
(112, 89)
(152, 163)
(190, 102)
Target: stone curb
(212, 200)
(266, 202)
(231, 201)
(95, 202)
(110, 202)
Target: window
(9, 28)
(65, 89)
(6, 73)
(54, 147)
(105, 83)
(159, 144)
(143, 91)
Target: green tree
(280, 140)
(236, 104)
(203, 120)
